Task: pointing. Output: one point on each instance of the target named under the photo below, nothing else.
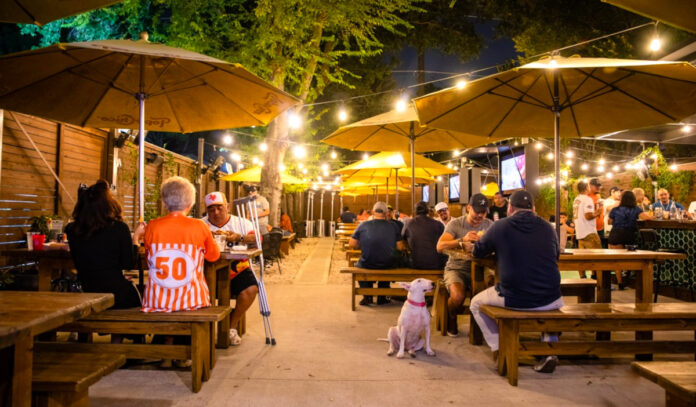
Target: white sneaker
(235, 339)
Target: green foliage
(40, 224)
(678, 183)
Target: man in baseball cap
(377, 240)
(527, 250)
(443, 213)
(467, 228)
(243, 285)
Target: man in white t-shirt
(585, 214)
(221, 222)
(610, 203)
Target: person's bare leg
(457, 295)
(244, 301)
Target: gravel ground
(290, 264)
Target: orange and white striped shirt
(176, 249)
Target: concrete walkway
(329, 355)
(315, 269)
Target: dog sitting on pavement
(413, 321)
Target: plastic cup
(38, 241)
(221, 241)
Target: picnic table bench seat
(677, 378)
(397, 274)
(286, 243)
(590, 318)
(199, 325)
(62, 378)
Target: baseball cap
(595, 182)
(522, 199)
(249, 188)
(440, 206)
(614, 188)
(479, 202)
(379, 207)
(390, 207)
(215, 198)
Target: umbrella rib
(500, 122)
(617, 89)
(524, 93)
(569, 95)
(658, 76)
(381, 127)
(159, 76)
(571, 106)
(110, 86)
(176, 117)
(263, 83)
(25, 10)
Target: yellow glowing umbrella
(253, 174)
(489, 189)
(43, 11)
(678, 13)
(372, 190)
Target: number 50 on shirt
(171, 268)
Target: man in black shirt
(347, 216)
(499, 208)
(377, 240)
(422, 233)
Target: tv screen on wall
(425, 193)
(454, 188)
(513, 172)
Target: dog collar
(417, 304)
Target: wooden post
(2, 126)
(109, 166)
(59, 166)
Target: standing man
(499, 209)
(585, 213)
(610, 203)
(347, 216)
(641, 200)
(421, 234)
(443, 212)
(595, 185)
(465, 229)
(377, 240)
(263, 209)
(243, 285)
(528, 277)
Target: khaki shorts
(590, 241)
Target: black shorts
(242, 281)
(622, 236)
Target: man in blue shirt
(347, 216)
(377, 240)
(421, 234)
(528, 278)
(665, 203)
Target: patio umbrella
(677, 13)
(372, 190)
(400, 131)
(254, 175)
(386, 181)
(565, 97)
(104, 84)
(40, 12)
(389, 163)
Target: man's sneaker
(366, 301)
(235, 339)
(382, 300)
(546, 364)
(452, 327)
(182, 363)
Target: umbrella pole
(397, 188)
(557, 153)
(141, 158)
(412, 137)
(386, 194)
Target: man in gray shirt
(262, 208)
(468, 228)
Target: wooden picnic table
(26, 314)
(603, 261)
(677, 378)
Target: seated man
(457, 276)
(528, 277)
(421, 234)
(243, 285)
(666, 204)
(347, 216)
(377, 240)
(286, 224)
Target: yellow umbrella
(392, 180)
(106, 84)
(40, 12)
(678, 13)
(565, 97)
(371, 190)
(254, 175)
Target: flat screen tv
(454, 188)
(425, 193)
(513, 172)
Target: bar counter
(676, 234)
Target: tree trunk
(271, 187)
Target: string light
(300, 165)
(342, 114)
(549, 156)
(653, 156)
(455, 168)
(628, 166)
(294, 121)
(319, 178)
(615, 168)
(655, 44)
(686, 128)
(461, 84)
(240, 166)
(539, 181)
(602, 161)
(569, 162)
(365, 156)
(299, 151)
(673, 167)
(333, 155)
(281, 167)
(227, 139)
(304, 171)
(263, 147)
(600, 168)
(449, 165)
(569, 154)
(260, 163)
(401, 104)
(439, 178)
(455, 153)
(584, 167)
(325, 167)
(255, 160)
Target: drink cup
(30, 241)
(38, 241)
(221, 241)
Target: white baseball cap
(440, 206)
(215, 198)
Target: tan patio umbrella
(400, 131)
(254, 175)
(389, 163)
(106, 83)
(565, 97)
(40, 12)
(677, 13)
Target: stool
(650, 242)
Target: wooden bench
(590, 318)
(352, 261)
(286, 243)
(62, 378)
(352, 253)
(677, 378)
(199, 325)
(401, 274)
(582, 288)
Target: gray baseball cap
(379, 207)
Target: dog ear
(405, 286)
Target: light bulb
(326, 173)
(325, 167)
(401, 105)
(455, 153)
(263, 147)
(236, 157)
(517, 143)
(564, 173)
(455, 168)
(281, 167)
(600, 168)
(569, 162)
(304, 171)
(319, 178)
(299, 151)
(365, 156)
(602, 161)
(538, 145)
(461, 84)
(655, 44)
(260, 163)
(240, 166)
(294, 121)
(342, 115)
(673, 167)
(333, 155)
(449, 165)
(609, 175)
(484, 172)
(563, 182)
(653, 156)
(615, 168)
(584, 167)
(255, 160)
(686, 128)
(628, 166)
(439, 178)
(300, 165)
(553, 64)
(569, 154)
(539, 181)
(549, 156)
(227, 140)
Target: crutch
(244, 206)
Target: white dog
(414, 319)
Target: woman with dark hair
(623, 219)
(101, 245)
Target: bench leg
(211, 344)
(61, 399)
(353, 294)
(475, 334)
(510, 340)
(644, 291)
(603, 296)
(199, 356)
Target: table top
(667, 224)
(41, 311)
(676, 377)
(241, 254)
(594, 254)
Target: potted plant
(40, 224)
